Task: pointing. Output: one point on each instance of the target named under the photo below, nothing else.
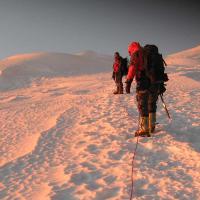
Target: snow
(189, 57)
(21, 70)
(65, 136)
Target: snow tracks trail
(71, 139)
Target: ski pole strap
(164, 105)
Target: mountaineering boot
(144, 128)
(152, 122)
(121, 89)
(116, 91)
(128, 86)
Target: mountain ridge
(188, 57)
(20, 70)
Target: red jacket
(116, 65)
(136, 60)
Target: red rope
(133, 158)
(134, 153)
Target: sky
(104, 26)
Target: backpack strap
(165, 64)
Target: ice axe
(164, 105)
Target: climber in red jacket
(117, 73)
(137, 71)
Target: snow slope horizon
(188, 57)
(186, 62)
(21, 70)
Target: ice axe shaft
(165, 107)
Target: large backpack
(124, 66)
(155, 65)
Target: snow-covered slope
(186, 63)
(21, 70)
(70, 138)
(190, 57)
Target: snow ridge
(190, 57)
(22, 70)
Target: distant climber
(117, 73)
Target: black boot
(128, 86)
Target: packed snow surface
(65, 136)
(189, 57)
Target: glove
(128, 85)
(128, 81)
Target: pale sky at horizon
(70, 26)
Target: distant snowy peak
(87, 53)
(21, 58)
(92, 54)
(189, 57)
(80, 60)
(21, 70)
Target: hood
(133, 47)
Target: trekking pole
(164, 105)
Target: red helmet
(133, 47)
